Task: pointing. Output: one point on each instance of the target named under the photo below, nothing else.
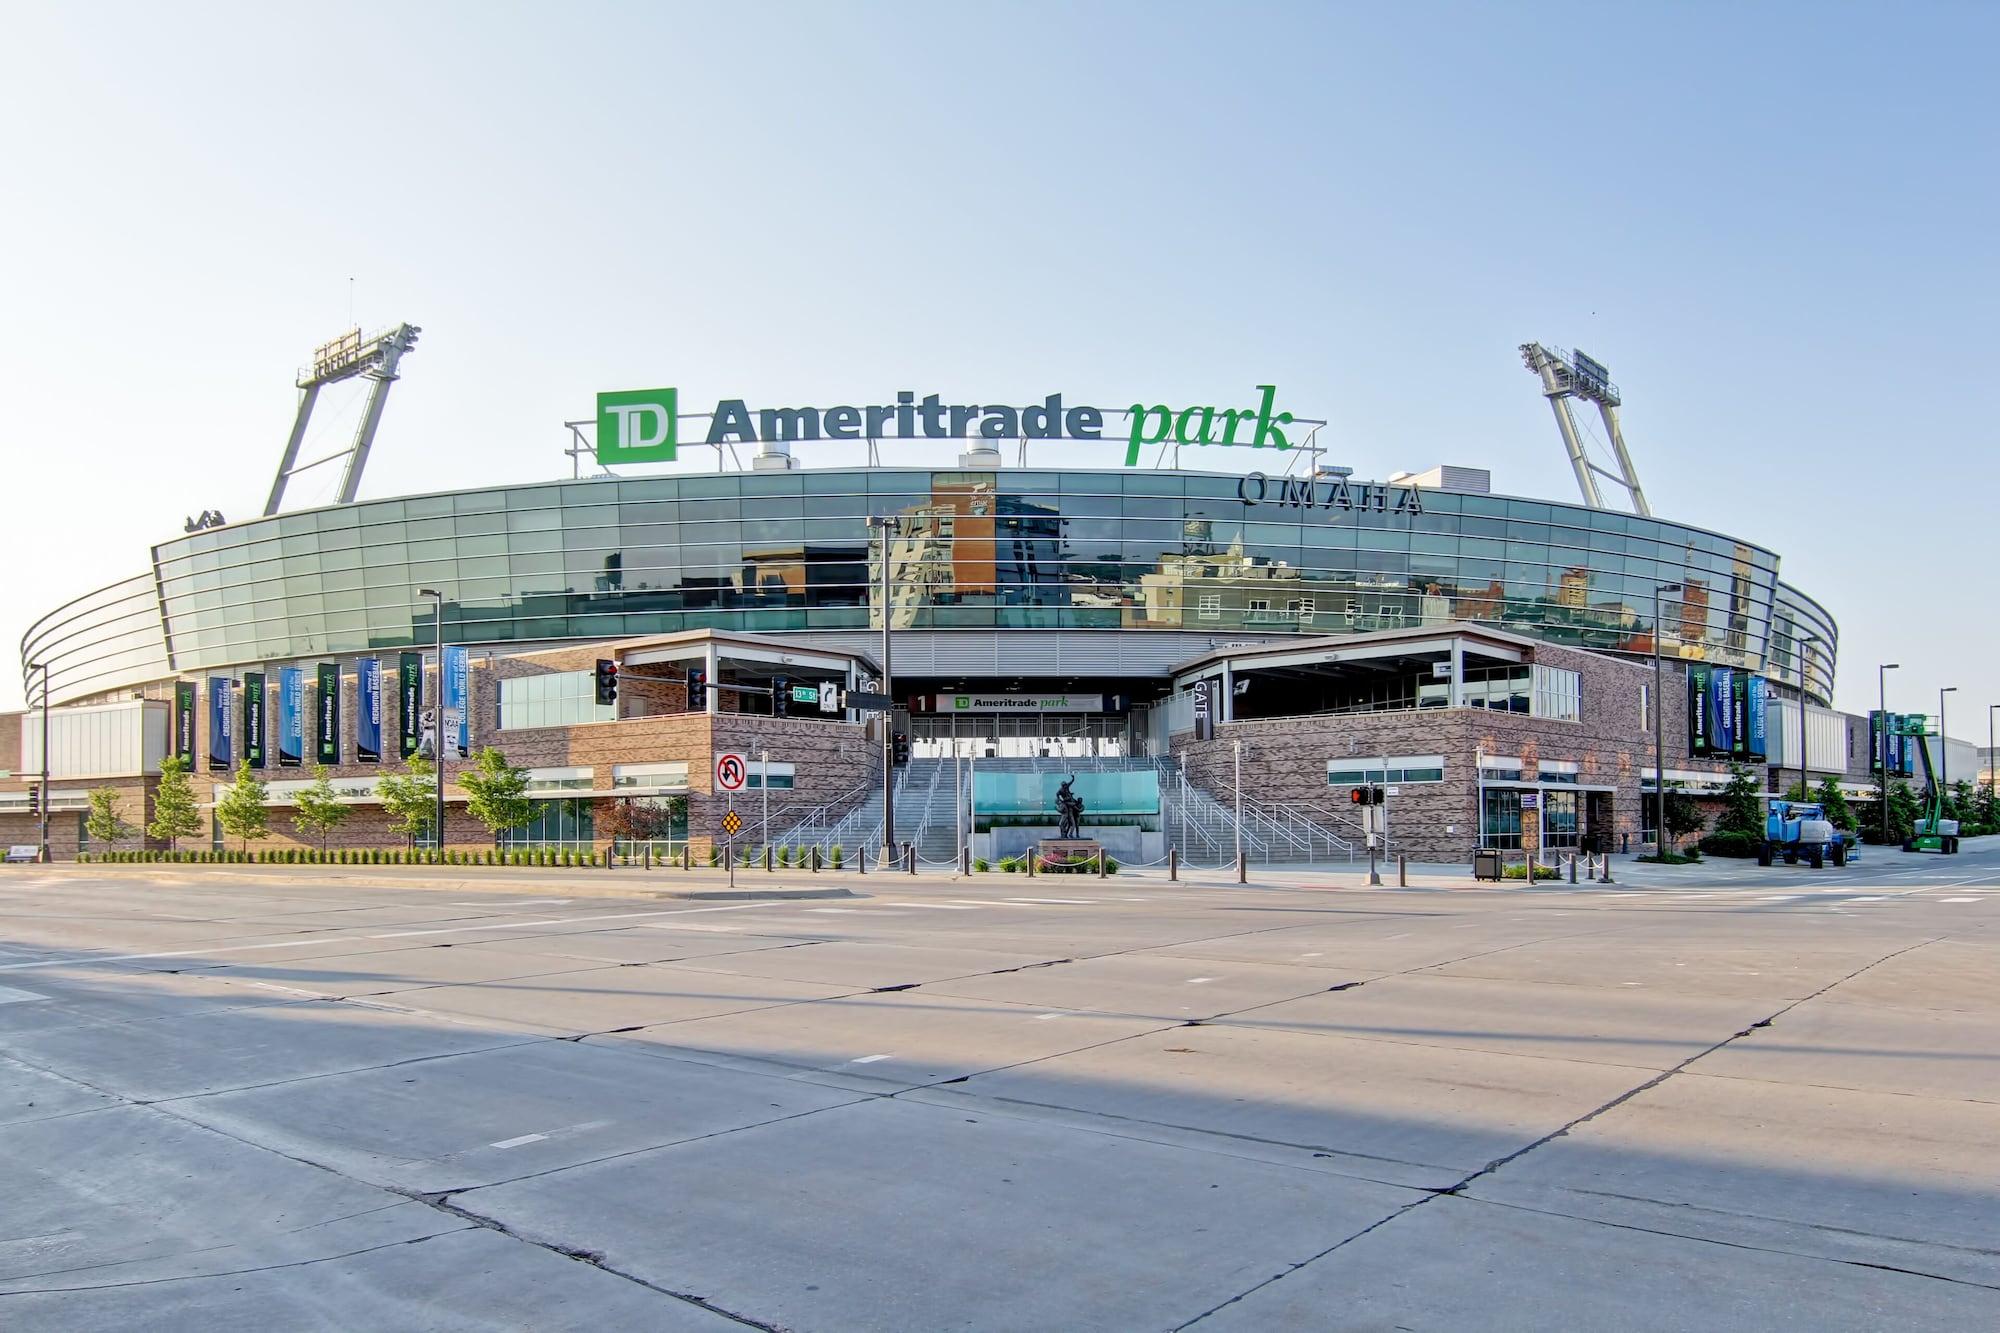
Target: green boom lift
(1933, 832)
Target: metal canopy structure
(376, 358)
(1567, 375)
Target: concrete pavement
(329, 1097)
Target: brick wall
(1285, 759)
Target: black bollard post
(815, 858)
(1402, 871)
(1173, 865)
(1242, 868)
(910, 856)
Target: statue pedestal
(1083, 851)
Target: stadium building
(1220, 655)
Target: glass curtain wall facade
(774, 552)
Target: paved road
(1699, 1099)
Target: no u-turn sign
(730, 772)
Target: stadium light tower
(346, 357)
(1567, 375)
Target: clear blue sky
(1776, 223)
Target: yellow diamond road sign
(731, 822)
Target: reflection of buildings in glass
(1741, 580)
(971, 545)
(1230, 588)
(1573, 588)
(1694, 618)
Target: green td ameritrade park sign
(643, 425)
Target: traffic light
(697, 689)
(34, 802)
(899, 749)
(1365, 795)
(607, 681)
(781, 695)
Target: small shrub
(1521, 872)
(836, 856)
(1731, 844)
(979, 864)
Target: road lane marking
(1958, 900)
(871, 1059)
(515, 1143)
(1198, 981)
(941, 907)
(336, 939)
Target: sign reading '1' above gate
(643, 425)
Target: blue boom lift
(1794, 829)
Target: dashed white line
(871, 1059)
(515, 1143)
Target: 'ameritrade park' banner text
(1728, 713)
(643, 425)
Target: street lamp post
(43, 667)
(1882, 712)
(437, 715)
(1805, 777)
(885, 523)
(1659, 732)
(1944, 746)
(1989, 750)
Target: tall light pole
(1882, 711)
(1805, 777)
(1659, 732)
(1944, 746)
(43, 667)
(1989, 750)
(437, 713)
(885, 523)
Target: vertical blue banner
(1697, 709)
(1722, 710)
(457, 686)
(291, 717)
(368, 719)
(221, 747)
(1759, 720)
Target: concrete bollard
(1100, 863)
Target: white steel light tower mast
(1567, 375)
(376, 358)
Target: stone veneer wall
(1285, 759)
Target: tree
(243, 809)
(319, 811)
(1683, 816)
(1834, 801)
(409, 798)
(102, 825)
(1959, 801)
(1742, 805)
(649, 820)
(1903, 811)
(174, 813)
(496, 792)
